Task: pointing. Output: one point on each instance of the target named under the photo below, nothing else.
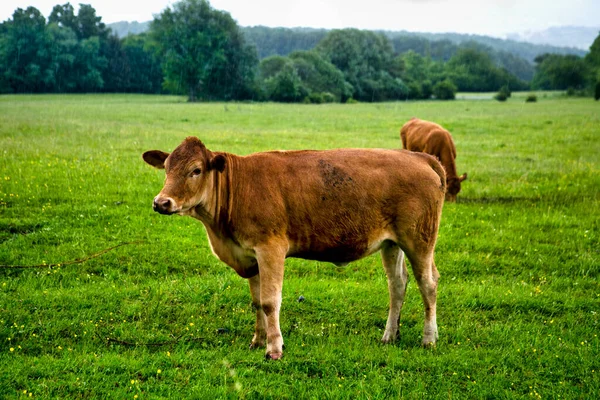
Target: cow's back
(427, 137)
(331, 205)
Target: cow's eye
(196, 172)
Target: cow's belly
(339, 254)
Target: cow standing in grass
(336, 206)
(431, 138)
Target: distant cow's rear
(428, 137)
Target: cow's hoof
(429, 344)
(258, 342)
(273, 356)
(388, 339)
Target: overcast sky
(486, 17)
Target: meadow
(161, 317)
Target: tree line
(196, 50)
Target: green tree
(593, 57)
(319, 75)
(90, 24)
(63, 49)
(24, 58)
(282, 41)
(144, 67)
(473, 70)
(89, 64)
(286, 85)
(204, 53)
(271, 66)
(592, 60)
(417, 74)
(85, 58)
(64, 16)
(560, 72)
(367, 61)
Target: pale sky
(485, 17)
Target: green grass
(519, 297)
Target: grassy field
(519, 297)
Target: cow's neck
(449, 164)
(215, 213)
(216, 216)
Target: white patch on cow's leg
(270, 266)
(260, 329)
(427, 276)
(397, 277)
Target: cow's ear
(463, 177)
(218, 162)
(156, 158)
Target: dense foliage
(196, 50)
(204, 54)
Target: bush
(328, 97)
(426, 89)
(414, 90)
(315, 98)
(505, 90)
(501, 96)
(445, 90)
(597, 91)
(351, 100)
(532, 98)
(285, 86)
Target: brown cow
(428, 137)
(336, 206)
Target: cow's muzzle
(164, 205)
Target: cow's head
(454, 187)
(188, 182)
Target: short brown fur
(431, 138)
(335, 205)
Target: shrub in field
(445, 90)
(503, 94)
(532, 98)
(328, 97)
(315, 98)
(500, 96)
(504, 89)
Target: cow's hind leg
(426, 275)
(260, 329)
(397, 277)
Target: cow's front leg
(260, 329)
(270, 265)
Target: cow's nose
(163, 205)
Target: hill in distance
(580, 37)
(559, 40)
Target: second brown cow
(336, 206)
(429, 137)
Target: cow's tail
(428, 224)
